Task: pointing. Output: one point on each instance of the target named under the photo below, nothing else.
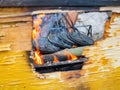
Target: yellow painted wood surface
(99, 73)
(17, 74)
(16, 31)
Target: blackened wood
(58, 3)
(60, 57)
(58, 66)
(61, 66)
(50, 57)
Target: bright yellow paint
(16, 74)
(101, 72)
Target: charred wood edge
(61, 66)
(58, 3)
(79, 60)
(49, 58)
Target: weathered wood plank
(16, 32)
(5, 47)
(58, 3)
(15, 19)
(113, 9)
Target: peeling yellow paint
(101, 72)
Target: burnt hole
(52, 34)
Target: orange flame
(36, 23)
(70, 56)
(38, 59)
(41, 15)
(55, 59)
(35, 35)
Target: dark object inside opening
(64, 65)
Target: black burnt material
(55, 35)
(59, 66)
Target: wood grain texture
(105, 53)
(98, 73)
(15, 19)
(16, 31)
(58, 3)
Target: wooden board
(98, 74)
(16, 32)
(58, 3)
(104, 54)
(113, 9)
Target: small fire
(38, 57)
(70, 56)
(55, 59)
(35, 35)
